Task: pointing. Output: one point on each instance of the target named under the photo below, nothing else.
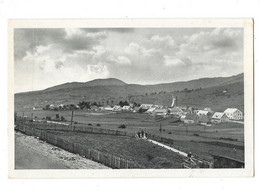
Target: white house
(176, 111)
(234, 113)
(146, 106)
(126, 108)
(160, 112)
(117, 108)
(219, 117)
(150, 110)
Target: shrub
(170, 133)
(89, 124)
(195, 134)
(98, 125)
(122, 126)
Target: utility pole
(71, 117)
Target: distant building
(146, 106)
(150, 110)
(117, 108)
(234, 113)
(221, 161)
(136, 109)
(108, 108)
(94, 108)
(191, 118)
(219, 117)
(176, 111)
(51, 107)
(126, 108)
(160, 112)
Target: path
(168, 147)
(32, 153)
(233, 121)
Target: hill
(201, 92)
(96, 82)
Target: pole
(71, 117)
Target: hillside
(111, 91)
(96, 82)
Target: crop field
(142, 152)
(225, 139)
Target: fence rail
(84, 129)
(40, 130)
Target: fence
(84, 129)
(30, 128)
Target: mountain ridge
(180, 85)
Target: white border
(247, 24)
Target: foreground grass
(142, 152)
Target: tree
(57, 117)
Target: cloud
(46, 57)
(120, 60)
(137, 49)
(163, 41)
(176, 61)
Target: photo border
(247, 24)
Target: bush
(170, 133)
(98, 125)
(75, 122)
(89, 124)
(122, 126)
(195, 134)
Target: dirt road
(32, 153)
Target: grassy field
(144, 153)
(226, 139)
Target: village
(185, 114)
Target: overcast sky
(48, 57)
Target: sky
(47, 57)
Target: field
(225, 139)
(141, 152)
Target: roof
(147, 105)
(160, 110)
(231, 110)
(202, 112)
(218, 115)
(117, 108)
(150, 109)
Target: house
(234, 113)
(191, 118)
(204, 116)
(158, 106)
(126, 108)
(160, 112)
(136, 109)
(117, 108)
(108, 108)
(219, 117)
(176, 111)
(146, 106)
(94, 108)
(150, 110)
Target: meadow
(226, 139)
